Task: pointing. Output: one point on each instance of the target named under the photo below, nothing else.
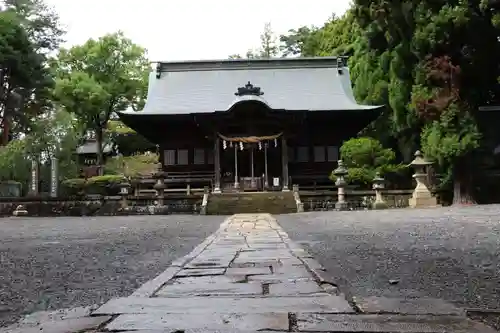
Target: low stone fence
(355, 199)
(102, 205)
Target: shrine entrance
(251, 163)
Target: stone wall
(356, 200)
(101, 206)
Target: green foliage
(29, 30)
(99, 78)
(133, 166)
(364, 157)
(127, 140)
(14, 164)
(104, 185)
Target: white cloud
(190, 29)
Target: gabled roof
(314, 84)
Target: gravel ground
(448, 253)
(52, 263)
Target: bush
(132, 166)
(364, 157)
(104, 185)
(75, 186)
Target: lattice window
(169, 157)
(332, 153)
(182, 157)
(319, 154)
(199, 156)
(302, 154)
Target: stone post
(34, 176)
(378, 186)
(54, 177)
(421, 197)
(340, 173)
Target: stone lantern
(160, 185)
(378, 186)
(421, 197)
(124, 192)
(340, 173)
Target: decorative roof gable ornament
(249, 89)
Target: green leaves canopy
(99, 78)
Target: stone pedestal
(20, 211)
(421, 197)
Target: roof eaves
(489, 108)
(254, 64)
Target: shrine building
(250, 125)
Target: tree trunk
(5, 131)
(462, 193)
(100, 158)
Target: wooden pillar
(266, 173)
(236, 179)
(217, 165)
(253, 183)
(284, 162)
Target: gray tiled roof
(203, 87)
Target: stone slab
(193, 305)
(313, 264)
(173, 322)
(247, 271)
(62, 314)
(295, 289)
(210, 262)
(420, 306)
(275, 278)
(200, 272)
(254, 263)
(210, 289)
(71, 325)
(206, 279)
(149, 288)
(388, 324)
(192, 330)
(292, 271)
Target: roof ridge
(238, 64)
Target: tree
(99, 78)
(269, 47)
(39, 31)
(302, 42)
(40, 22)
(24, 78)
(365, 157)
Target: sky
(190, 29)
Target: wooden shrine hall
(250, 125)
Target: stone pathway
(248, 277)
